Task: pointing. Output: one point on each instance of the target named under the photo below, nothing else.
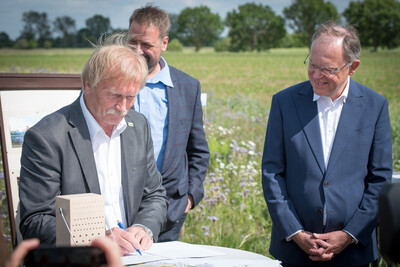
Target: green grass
(239, 87)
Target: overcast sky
(118, 11)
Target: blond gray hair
(112, 58)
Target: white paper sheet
(169, 251)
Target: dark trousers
(170, 231)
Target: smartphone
(84, 256)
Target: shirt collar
(94, 127)
(343, 96)
(163, 75)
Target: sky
(118, 11)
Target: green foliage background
(239, 88)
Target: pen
(123, 227)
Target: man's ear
(354, 66)
(87, 88)
(164, 43)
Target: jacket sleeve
(197, 152)
(39, 185)
(364, 220)
(280, 205)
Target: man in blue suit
(327, 154)
(171, 103)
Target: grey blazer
(57, 159)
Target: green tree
(222, 45)
(21, 43)
(5, 40)
(36, 26)
(84, 38)
(98, 25)
(66, 27)
(175, 46)
(173, 28)
(254, 27)
(303, 15)
(377, 21)
(199, 27)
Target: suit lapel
(127, 153)
(307, 111)
(80, 137)
(351, 114)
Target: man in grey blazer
(327, 155)
(98, 145)
(171, 103)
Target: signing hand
(131, 239)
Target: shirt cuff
(148, 231)
(354, 241)
(289, 238)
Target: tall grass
(239, 88)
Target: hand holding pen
(123, 227)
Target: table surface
(231, 258)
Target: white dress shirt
(107, 155)
(329, 115)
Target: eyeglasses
(324, 71)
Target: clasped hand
(132, 239)
(322, 247)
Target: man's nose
(317, 73)
(121, 105)
(138, 49)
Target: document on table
(169, 251)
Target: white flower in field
(252, 144)
(221, 165)
(250, 167)
(250, 217)
(251, 152)
(242, 167)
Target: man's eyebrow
(132, 36)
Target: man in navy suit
(327, 154)
(171, 103)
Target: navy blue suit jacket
(186, 154)
(297, 185)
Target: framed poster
(24, 100)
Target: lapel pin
(130, 124)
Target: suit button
(326, 184)
(319, 211)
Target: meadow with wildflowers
(239, 88)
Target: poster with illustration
(18, 127)
(23, 102)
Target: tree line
(251, 27)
